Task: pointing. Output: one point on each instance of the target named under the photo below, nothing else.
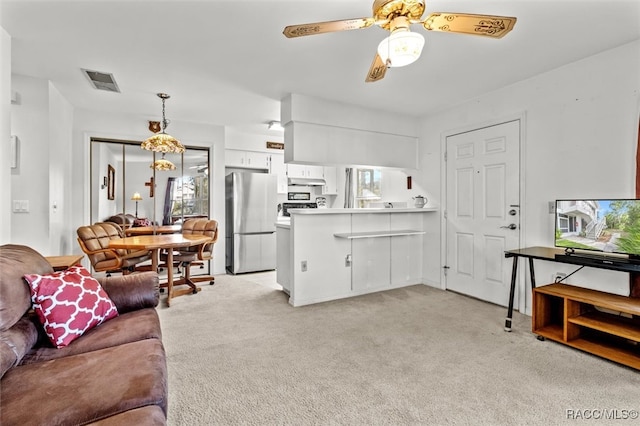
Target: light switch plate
(21, 206)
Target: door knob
(510, 226)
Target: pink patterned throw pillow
(69, 303)
(141, 222)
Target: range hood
(306, 181)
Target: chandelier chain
(164, 120)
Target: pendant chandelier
(163, 164)
(163, 142)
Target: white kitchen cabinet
(318, 131)
(279, 169)
(305, 171)
(261, 160)
(315, 172)
(234, 158)
(247, 159)
(406, 251)
(296, 170)
(370, 268)
(331, 181)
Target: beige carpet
(238, 353)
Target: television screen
(610, 226)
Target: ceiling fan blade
(327, 27)
(377, 71)
(482, 25)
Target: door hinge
(445, 156)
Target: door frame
(519, 302)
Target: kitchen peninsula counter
(361, 211)
(327, 254)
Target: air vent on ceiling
(102, 81)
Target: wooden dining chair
(94, 241)
(187, 256)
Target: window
(192, 193)
(367, 186)
(563, 223)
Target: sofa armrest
(134, 291)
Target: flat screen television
(600, 225)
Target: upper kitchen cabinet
(331, 181)
(305, 171)
(319, 131)
(247, 159)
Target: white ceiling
(227, 62)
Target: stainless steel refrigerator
(251, 213)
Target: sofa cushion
(133, 291)
(85, 388)
(16, 342)
(151, 415)
(69, 303)
(126, 328)
(15, 261)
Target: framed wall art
(111, 182)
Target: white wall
(244, 140)
(60, 135)
(42, 121)
(581, 124)
(30, 180)
(89, 124)
(5, 134)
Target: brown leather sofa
(114, 374)
(123, 220)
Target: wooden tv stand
(603, 324)
(558, 255)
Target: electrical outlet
(558, 276)
(303, 266)
(552, 207)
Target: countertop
(283, 222)
(361, 211)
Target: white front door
(482, 210)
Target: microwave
(299, 196)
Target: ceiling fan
(201, 168)
(403, 47)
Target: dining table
(155, 243)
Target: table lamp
(136, 197)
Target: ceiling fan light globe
(401, 48)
